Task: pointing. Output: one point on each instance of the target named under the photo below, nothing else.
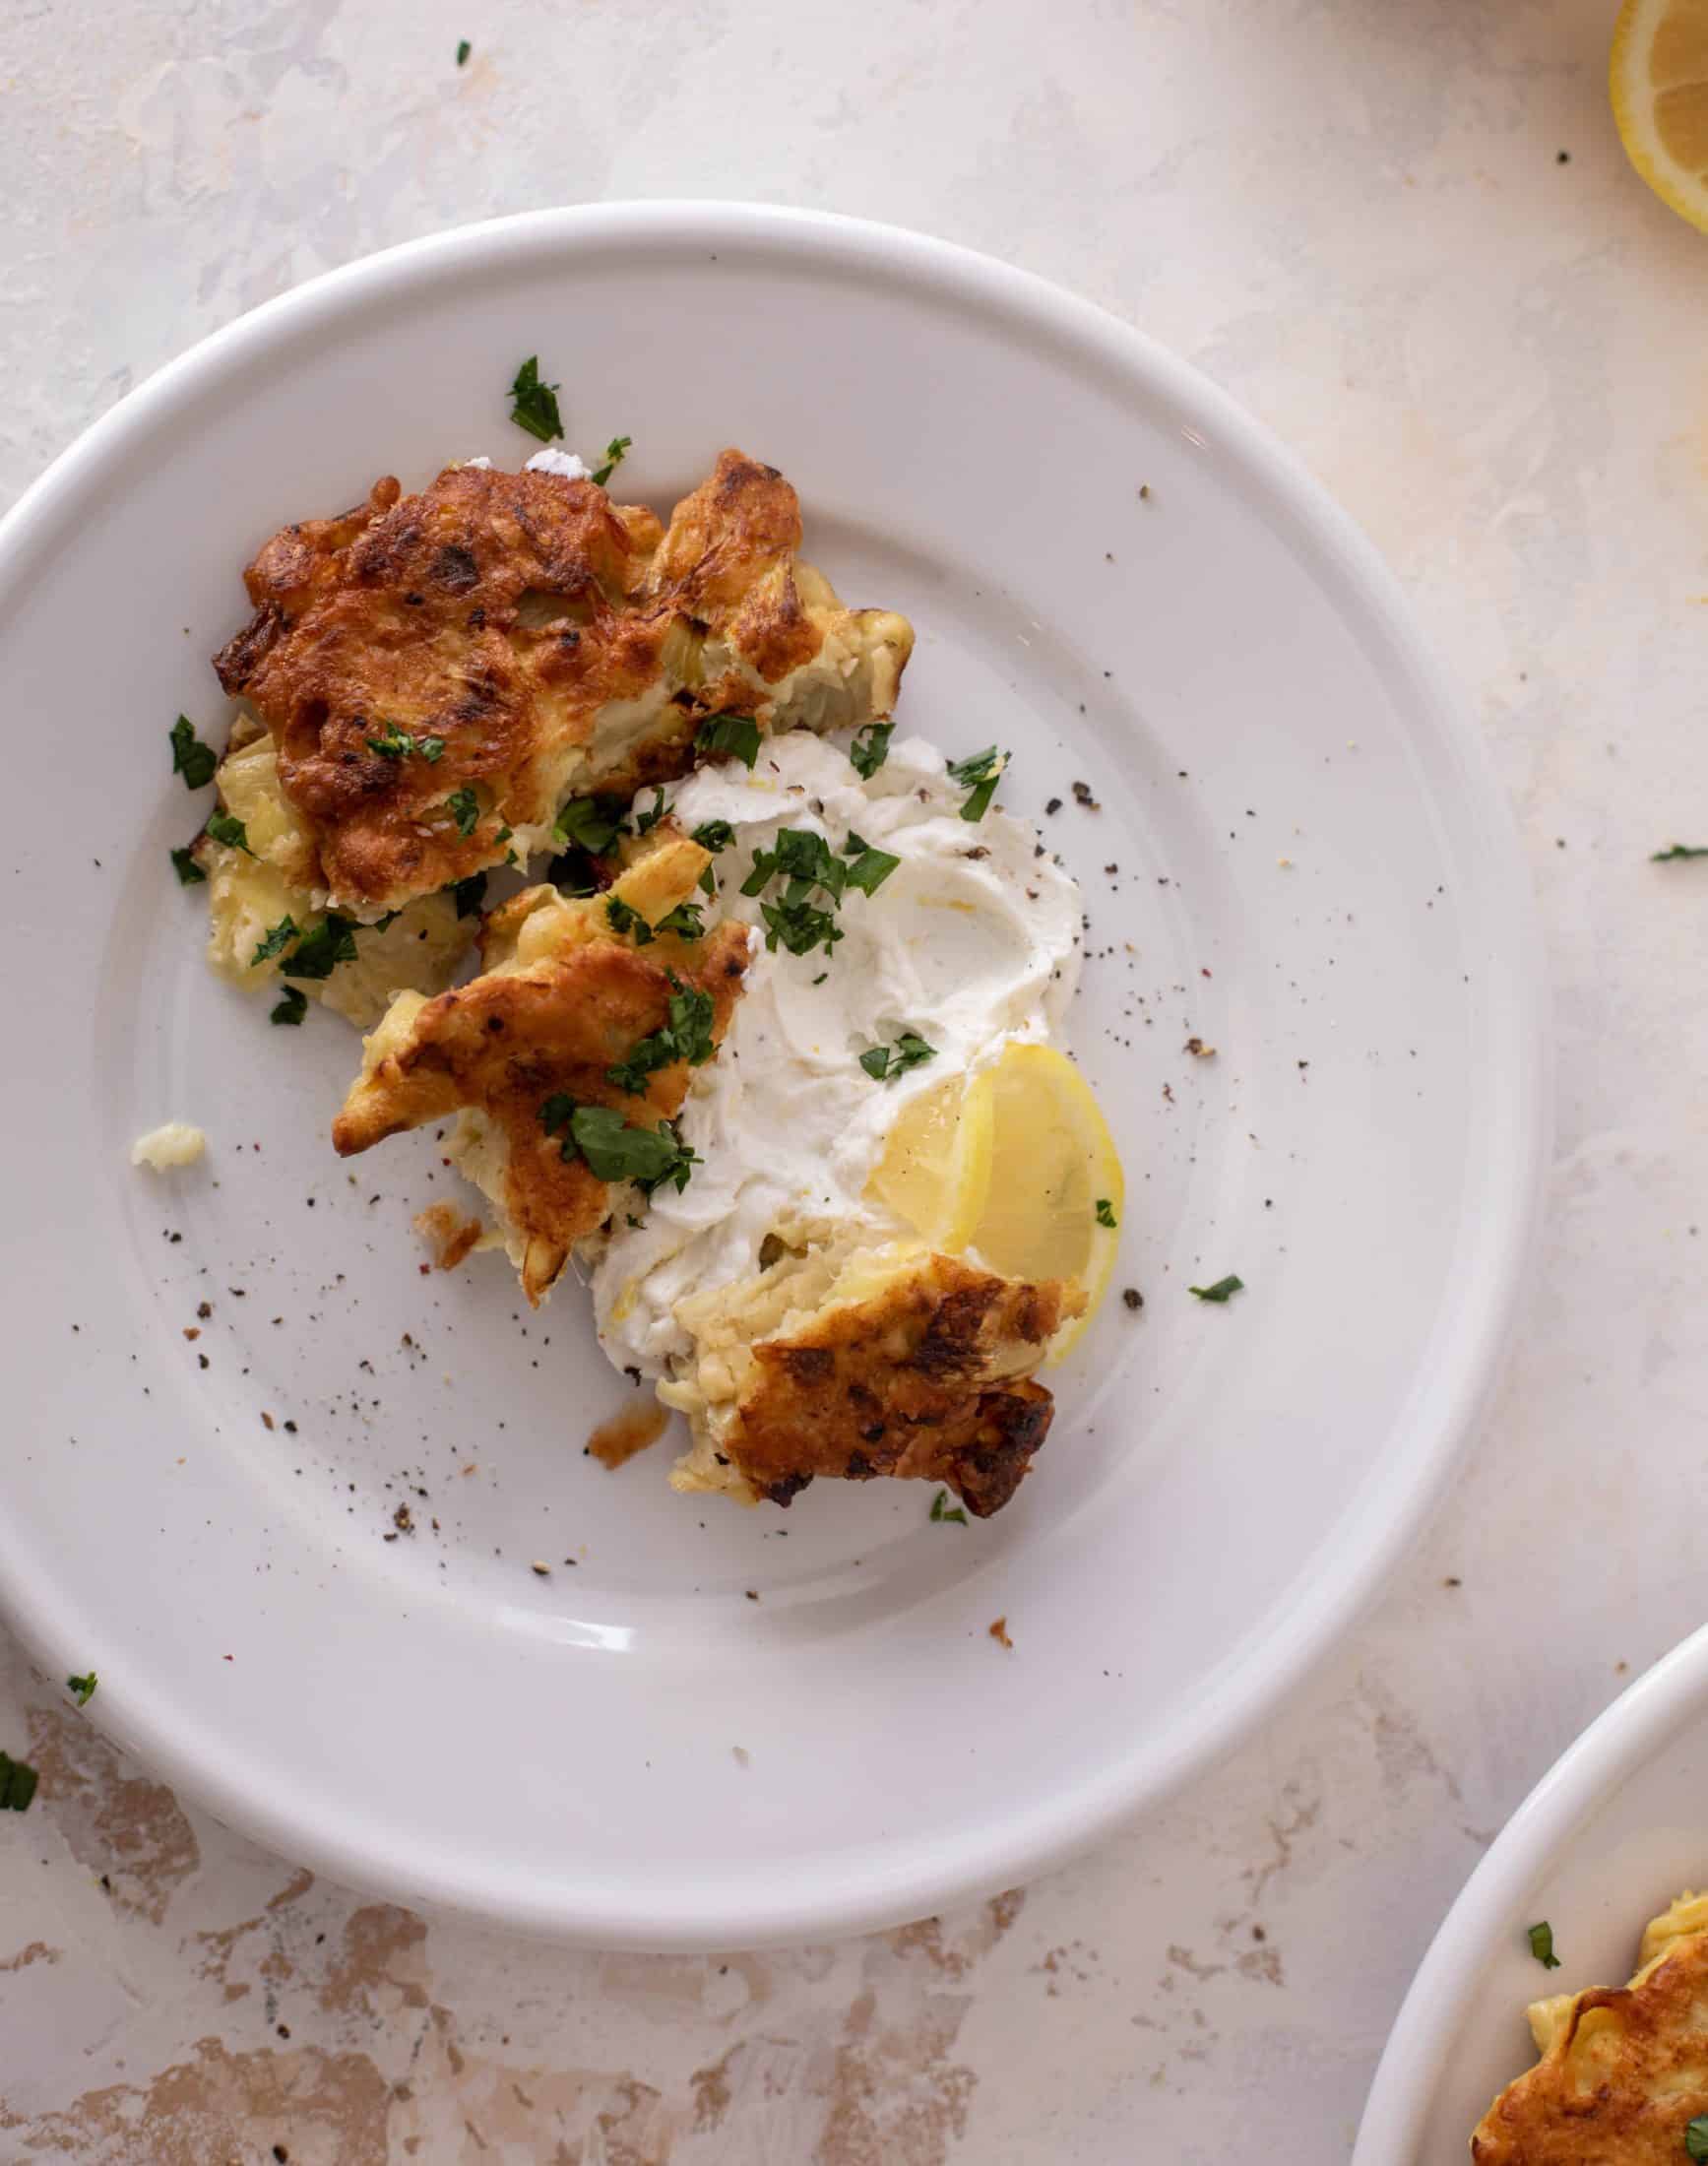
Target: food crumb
(1132, 1297)
(742, 1757)
(541, 1568)
(172, 1143)
(449, 1232)
(265, 1419)
(1199, 1051)
(999, 1633)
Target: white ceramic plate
(1608, 1837)
(1227, 665)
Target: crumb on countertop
(172, 1143)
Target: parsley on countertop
(533, 405)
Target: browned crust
(498, 613)
(506, 1043)
(1623, 2082)
(917, 1383)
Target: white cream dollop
(972, 941)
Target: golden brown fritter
(1624, 2070)
(904, 1363)
(564, 999)
(435, 669)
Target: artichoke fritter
(1623, 2070)
(880, 1362)
(441, 672)
(563, 1001)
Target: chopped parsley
(729, 736)
(684, 922)
(623, 920)
(870, 868)
(884, 1063)
(1696, 2137)
(1541, 1939)
(185, 866)
(470, 895)
(1666, 856)
(82, 1688)
(714, 835)
(465, 808)
(1105, 1215)
(464, 49)
(941, 1514)
(276, 939)
(191, 758)
(645, 822)
(230, 831)
(978, 775)
(533, 405)
(686, 1035)
(592, 824)
(1222, 1290)
(394, 743)
(615, 453)
(870, 749)
(318, 953)
(707, 883)
(614, 1151)
(805, 855)
(292, 1007)
(17, 1783)
(799, 926)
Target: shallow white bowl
(1612, 1833)
(1300, 858)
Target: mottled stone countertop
(1405, 237)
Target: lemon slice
(936, 1163)
(1053, 1202)
(1658, 79)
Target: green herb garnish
(870, 749)
(185, 866)
(1666, 856)
(394, 743)
(1696, 2137)
(707, 883)
(291, 1007)
(686, 1035)
(278, 939)
(230, 831)
(319, 952)
(614, 1151)
(470, 895)
(871, 869)
(191, 758)
(684, 922)
(592, 824)
(464, 49)
(645, 822)
(979, 774)
(82, 1688)
(940, 1513)
(615, 453)
(729, 736)
(533, 404)
(465, 808)
(884, 1063)
(799, 926)
(623, 918)
(18, 1782)
(1540, 1939)
(714, 835)
(1222, 1290)
(1105, 1216)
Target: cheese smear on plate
(972, 941)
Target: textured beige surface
(1353, 215)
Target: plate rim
(1517, 1085)
(1624, 1738)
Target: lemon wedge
(1658, 79)
(1052, 1204)
(936, 1163)
(1016, 1164)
